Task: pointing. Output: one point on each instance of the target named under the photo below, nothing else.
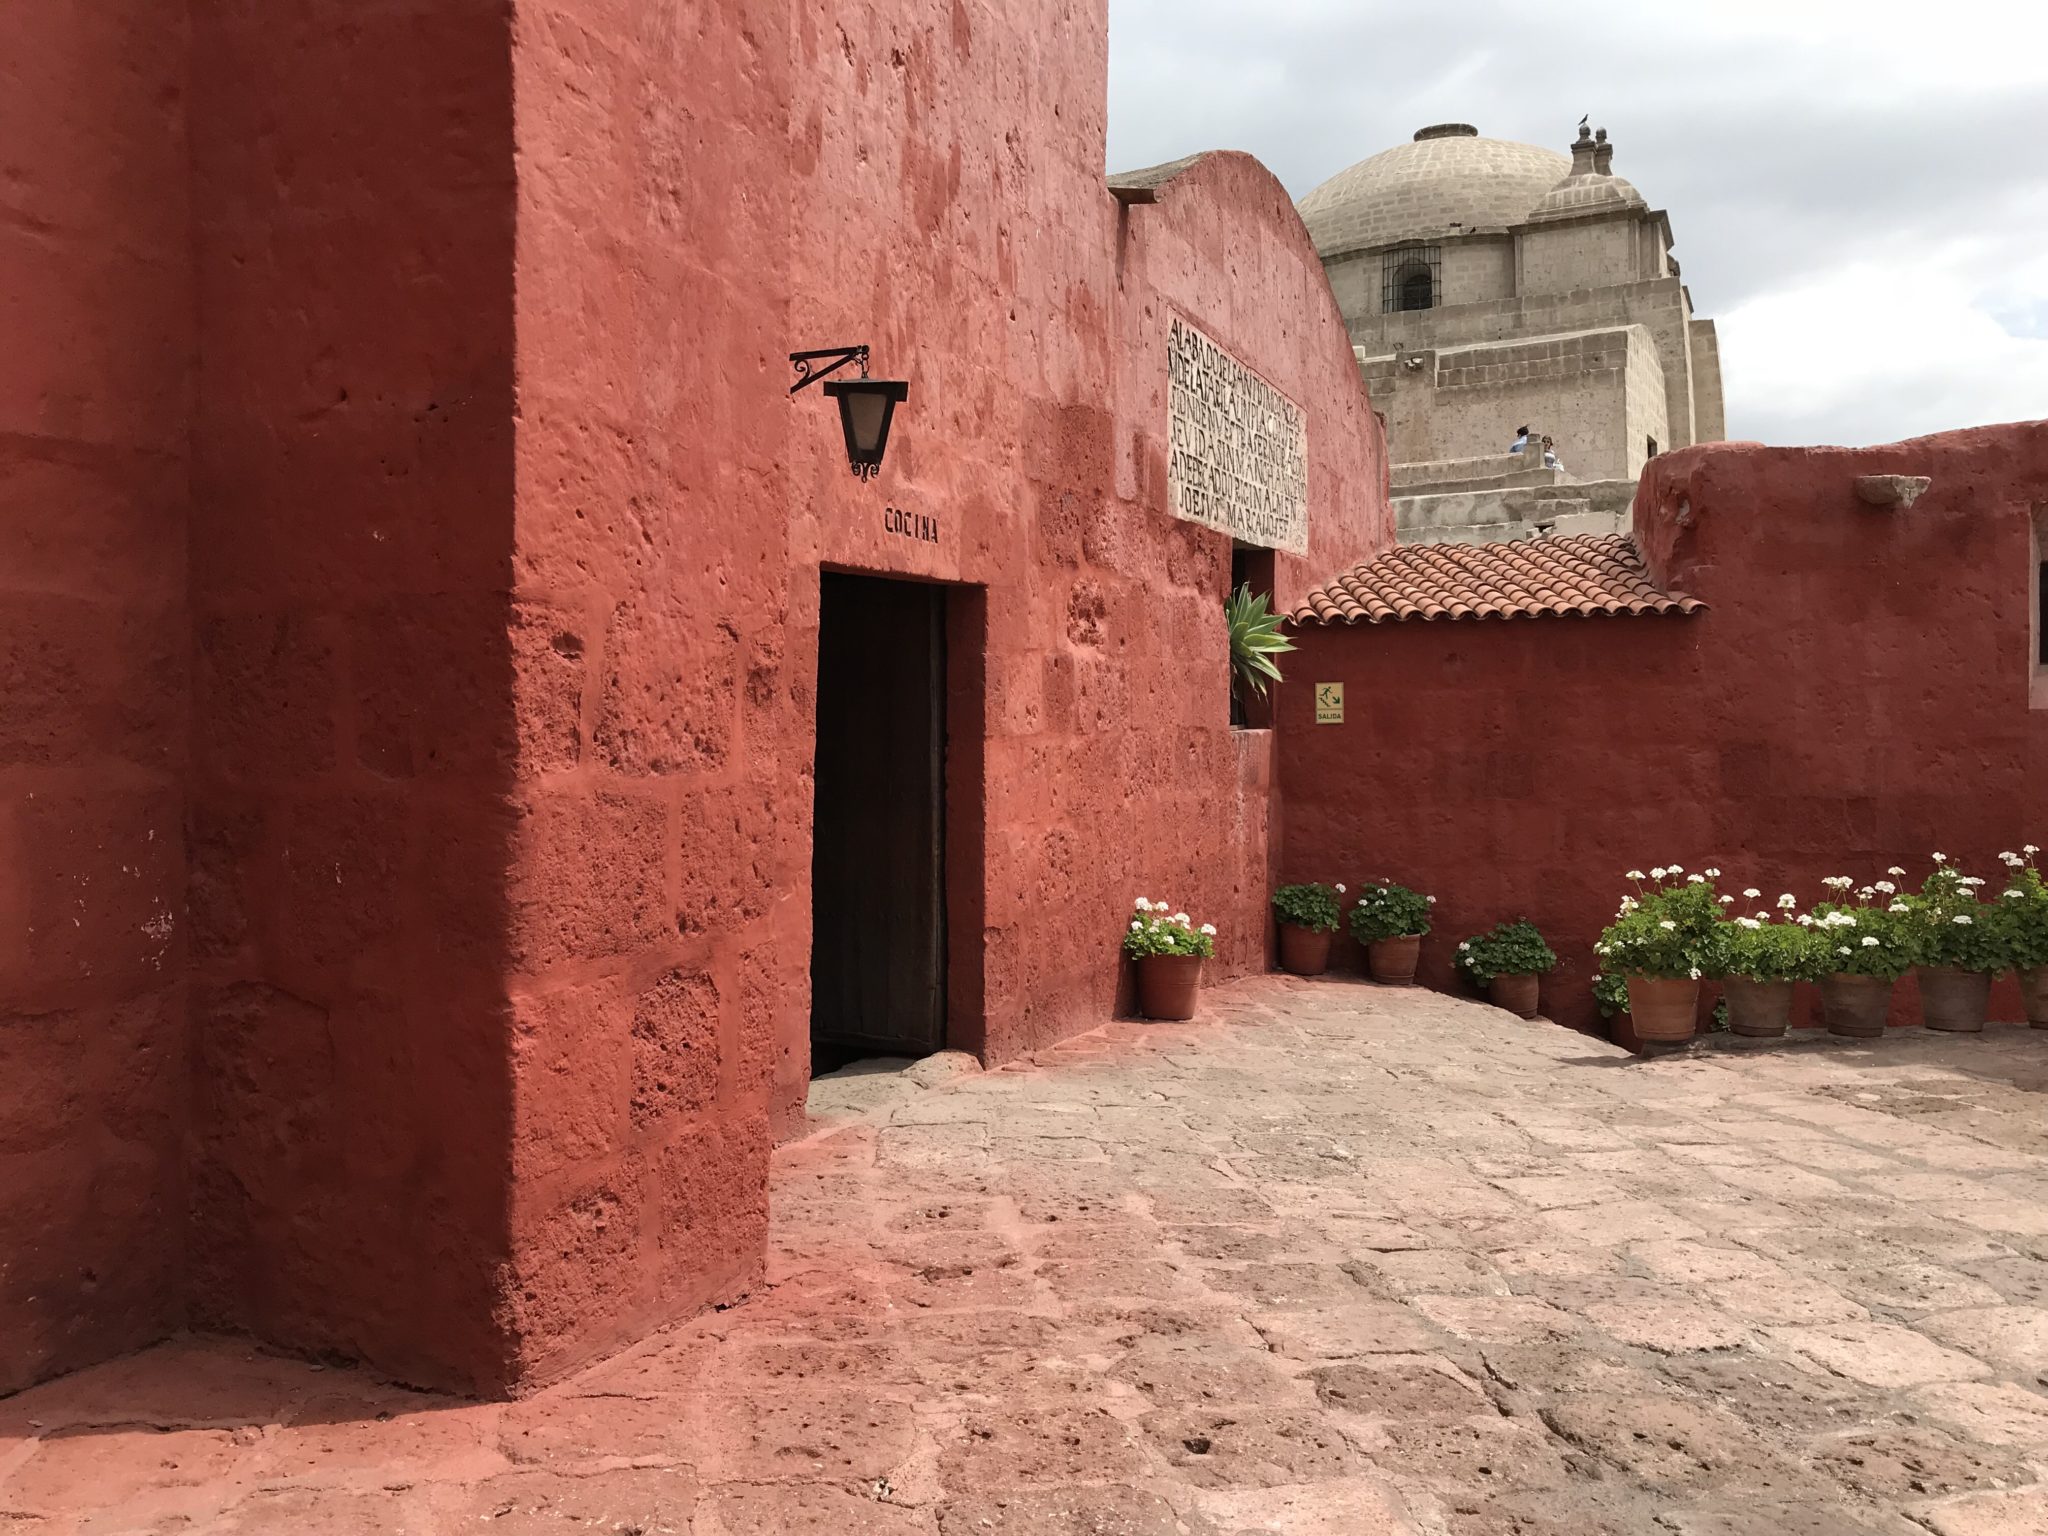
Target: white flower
(1340, 890)
(1787, 902)
(1668, 926)
(1806, 919)
(1136, 926)
(2014, 894)
(1941, 858)
(1727, 901)
(1628, 903)
(2011, 858)
(1748, 922)
(1713, 874)
(1752, 893)
(1144, 905)
(1843, 949)
(1895, 870)
(1695, 973)
(1964, 918)
(1869, 942)
(1866, 893)
(1898, 909)
(1695, 879)
(1674, 869)
(1209, 929)
(1762, 918)
(1972, 881)
(2030, 850)
(1161, 904)
(1181, 918)
(1430, 899)
(1838, 882)
(1634, 874)
(1657, 873)
(1465, 944)
(1887, 887)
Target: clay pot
(1517, 994)
(2034, 989)
(1664, 1008)
(1393, 960)
(1856, 1006)
(1304, 951)
(1760, 1010)
(1168, 984)
(1954, 1000)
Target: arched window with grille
(1409, 278)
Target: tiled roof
(1584, 574)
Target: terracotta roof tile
(1531, 578)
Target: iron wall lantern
(866, 406)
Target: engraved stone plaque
(1237, 449)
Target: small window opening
(1253, 567)
(2041, 614)
(1409, 278)
(1653, 447)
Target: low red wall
(1856, 696)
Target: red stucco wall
(95, 360)
(1856, 696)
(359, 666)
(675, 509)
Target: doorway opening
(879, 930)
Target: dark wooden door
(878, 912)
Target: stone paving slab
(1332, 1259)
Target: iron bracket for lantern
(866, 406)
(808, 371)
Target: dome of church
(1448, 180)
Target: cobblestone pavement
(1334, 1259)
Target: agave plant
(1255, 639)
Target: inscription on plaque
(1237, 449)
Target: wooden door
(878, 936)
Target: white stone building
(1490, 285)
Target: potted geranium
(1390, 920)
(2023, 917)
(1956, 948)
(1762, 957)
(1308, 915)
(1870, 954)
(1663, 940)
(1508, 961)
(1169, 949)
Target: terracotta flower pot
(1517, 994)
(2034, 989)
(1168, 984)
(1665, 1008)
(1856, 1006)
(1393, 960)
(1954, 1000)
(1304, 951)
(1759, 1009)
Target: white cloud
(1858, 188)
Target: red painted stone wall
(360, 669)
(1856, 696)
(460, 782)
(95, 361)
(676, 507)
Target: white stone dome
(1449, 180)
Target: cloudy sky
(1858, 191)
